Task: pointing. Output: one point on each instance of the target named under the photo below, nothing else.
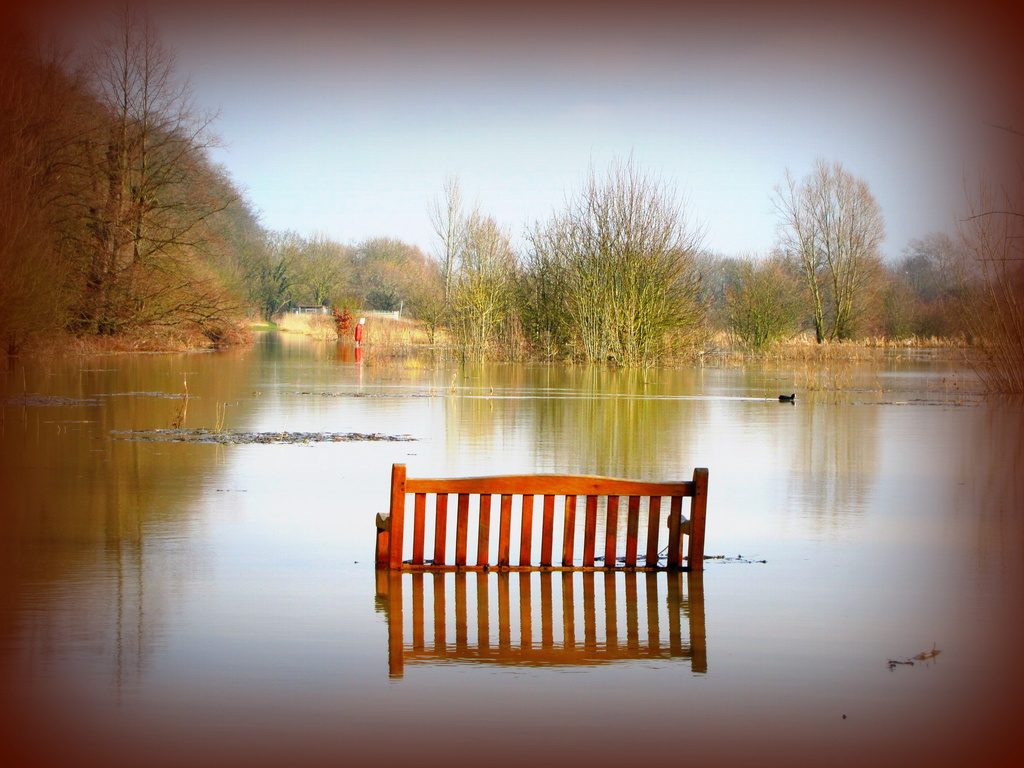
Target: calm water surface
(174, 603)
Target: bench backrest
(660, 504)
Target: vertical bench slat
(653, 528)
(674, 602)
(440, 527)
(589, 614)
(653, 628)
(504, 529)
(397, 517)
(611, 531)
(396, 625)
(632, 616)
(525, 614)
(483, 612)
(611, 622)
(698, 512)
(696, 615)
(547, 630)
(568, 611)
(417, 611)
(569, 530)
(483, 539)
(440, 614)
(526, 538)
(504, 613)
(590, 531)
(632, 530)
(419, 523)
(461, 528)
(675, 534)
(461, 630)
(547, 532)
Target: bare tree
(614, 272)
(478, 268)
(994, 310)
(37, 103)
(146, 157)
(934, 265)
(831, 226)
(482, 293)
(761, 302)
(271, 274)
(320, 269)
(922, 292)
(447, 218)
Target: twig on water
(923, 656)
(179, 420)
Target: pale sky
(345, 118)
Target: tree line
(620, 273)
(115, 223)
(114, 219)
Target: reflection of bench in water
(616, 515)
(542, 619)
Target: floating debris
(165, 395)
(365, 394)
(918, 401)
(44, 400)
(923, 656)
(737, 559)
(228, 437)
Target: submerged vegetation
(230, 437)
(118, 233)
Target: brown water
(177, 603)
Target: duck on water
(787, 398)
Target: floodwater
(199, 603)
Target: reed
(395, 332)
(994, 306)
(319, 327)
(182, 412)
(222, 412)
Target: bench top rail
(548, 485)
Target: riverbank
(147, 341)
(384, 337)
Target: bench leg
(698, 513)
(383, 548)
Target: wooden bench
(636, 500)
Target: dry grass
(385, 339)
(319, 327)
(378, 331)
(723, 350)
(145, 340)
(389, 332)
